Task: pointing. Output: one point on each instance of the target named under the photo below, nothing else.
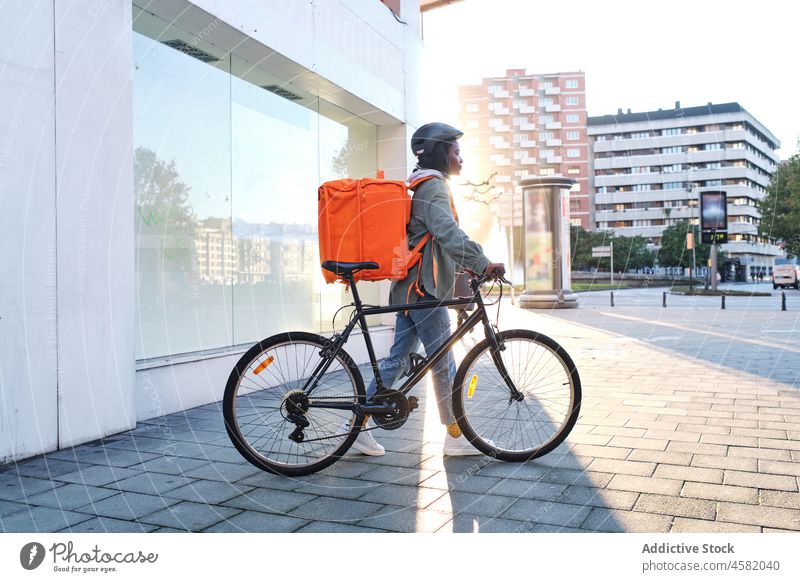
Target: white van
(786, 276)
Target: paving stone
(481, 524)
(688, 473)
(170, 465)
(188, 516)
(697, 448)
(645, 484)
(668, 457)
(151, 483)
(624, 467)
(70, 496)
(335, 487)
(616, 521)
(780, 499)
(109, 525)
(601, 452)
(46, 468)
(669, 505)
(778, 468)
(764, 516)
(269, 500)
(332, 527)
(778, 444)
(715, 462)
(407, 519)
(686, 525)
(98, 476)
(226, 472)
(472, 504)
(760, 481)
(256, 522)
(460, 482)
(590, 496)
(757, 453)
(720, 492)
(127, 506)
(210, 492)
(528, 489)
(17, 488)
(326, 509)
(648, 444)
(404, 495)
(561, 514)
(397, 475)
(11, 507)
(41, 519)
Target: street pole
(714, 266)
(690, 245)
(612, 262)
(511, 244)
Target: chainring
(400, 409)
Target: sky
(643, 55)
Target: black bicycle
(295, 402)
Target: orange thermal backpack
(365, 220)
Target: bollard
(612, 299)
(664, 299)
(723, 301)
(783, 300)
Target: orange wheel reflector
(260, 368)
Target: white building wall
(28, 305)
(66, 297)
(94, 206)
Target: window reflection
(228, 160)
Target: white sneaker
(366, 443)
(460, 447)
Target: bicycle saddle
(341, 268)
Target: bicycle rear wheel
(265, 389)
(509, 429)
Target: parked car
(786, 276)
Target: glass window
(472, 107)
(573, 153)
(572, 100)
(573, 118)
(573, 135)
(571, 84)
(220, 147)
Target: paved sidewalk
(690, 423)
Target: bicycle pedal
(417, 362)
(413, 403)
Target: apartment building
(648, 169)
(525, 124)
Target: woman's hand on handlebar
(495, 271)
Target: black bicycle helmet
(427, 136)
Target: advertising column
(547, 243)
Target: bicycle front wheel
(268, 390)
(507, 428)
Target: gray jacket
(454, 251)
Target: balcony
(553, 125)
(503, 145)
(552, 91)
(527, 144)
(553, 160)
(552, 108)
(527, 109)
(502, 128)
(527, 127)
(553, 142)
(527, 93)
(502, 179)
(502, 111)
(528, 161)
(501, 94)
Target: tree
(631, 252)
(673, 251)
(780, 208)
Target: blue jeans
(432, 327)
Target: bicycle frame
(361, 314)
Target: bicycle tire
(251, 399)
(552, 405)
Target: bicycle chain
(337, 435)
